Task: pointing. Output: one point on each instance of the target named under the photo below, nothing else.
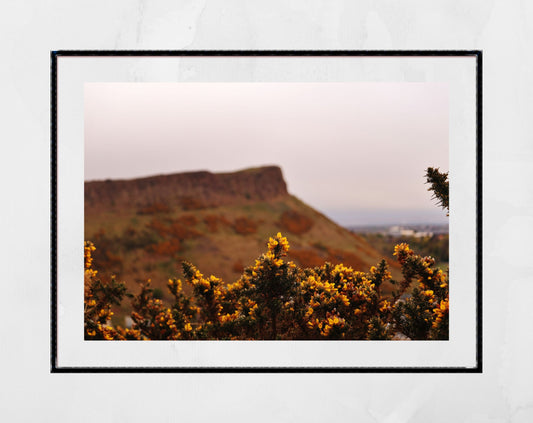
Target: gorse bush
(275, 299)
(439, 186)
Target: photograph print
(266, 211)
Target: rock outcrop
(191, 189)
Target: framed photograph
(266, 211)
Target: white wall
(502, 29)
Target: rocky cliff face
(187, 190)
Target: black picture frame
(477, 54)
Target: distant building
(423, 234)
(401, 231)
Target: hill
(143, 228)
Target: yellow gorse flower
(278, 241)
(440, 312)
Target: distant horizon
(385, 217)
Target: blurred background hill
(143, 228)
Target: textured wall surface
(502, 29)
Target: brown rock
(191, 190)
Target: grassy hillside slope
(147, 240)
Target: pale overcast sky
(355, 151)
